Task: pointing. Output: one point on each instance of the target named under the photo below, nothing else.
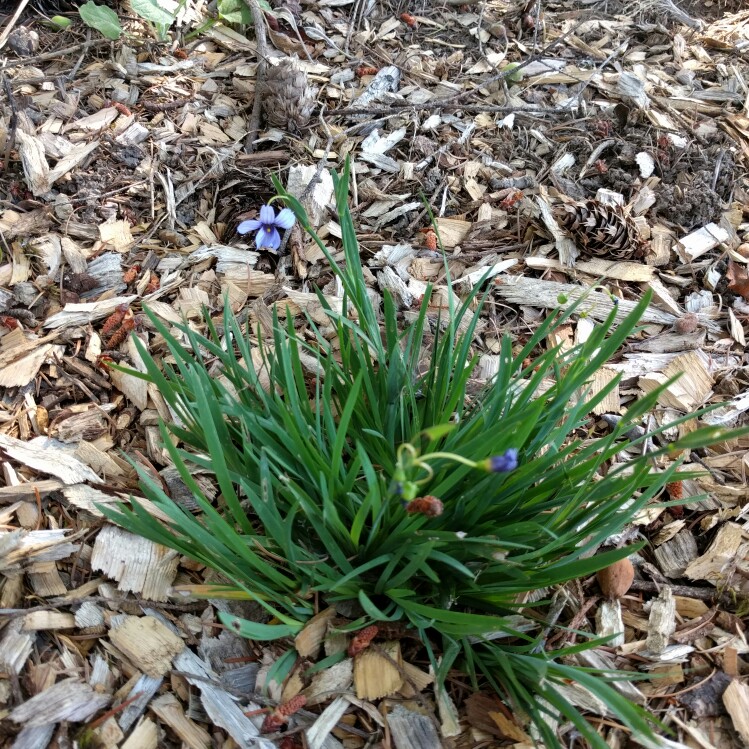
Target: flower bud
(502, 463)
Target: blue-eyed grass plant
(321, 442)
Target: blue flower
(503, 463)
(267, 227)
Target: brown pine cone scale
(601, 230)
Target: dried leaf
(738, 279)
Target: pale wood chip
(25, 547)
(452, 231)
(117, 235)
(310, 638)
(728, 550)
(319, 731)
(15, 646)
(87, 497)
(71, 160)
(137, 564)
(137, 697)
(329, 682)
(48, 456)
(412, 730)
(34, 162)
(74, 315)
(736, 700)
(144, 736)
(375, 676)
(171, 712)
(37, 620)
(546, 294)
(147, 643)
(688, 392)
(33, 737)
(222, 708)
(598, 268)
(108, 733)
(26, 368)
(69, 700)
(662, 621)
(609, 622)
(702, 240)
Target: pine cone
(601, 229)
(288, 98)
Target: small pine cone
(362, 639)
(601, 229)
(288, 98)
(675, 490)
(280, 716)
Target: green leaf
(152, 11)
(256, 630)
(235, 11)
(101, 18)
(280, 670)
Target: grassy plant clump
(353, 466)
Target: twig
(261, 40)
(84, 51)
(10, 140)
(55, 54)
(353, 21)
(710, 595)
(321, 163)
(396, 108)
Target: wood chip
(168, 708)
(598, 268)
(717, 565)
(736, 700)
(690, 390)
(137, 564)
(310, 638)
(221, 707)
(700, 241)
(69, 700)
(48, 456)
(319, 732)
(334, 680)
(15, 646)
(37, 620)
(147, 643)
(375, 676)
(144, 736)
(662, 621)
(412, 730)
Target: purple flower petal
(267, 214)
(268, 237)
(504, 463)
(285, 219)
(249, 225)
